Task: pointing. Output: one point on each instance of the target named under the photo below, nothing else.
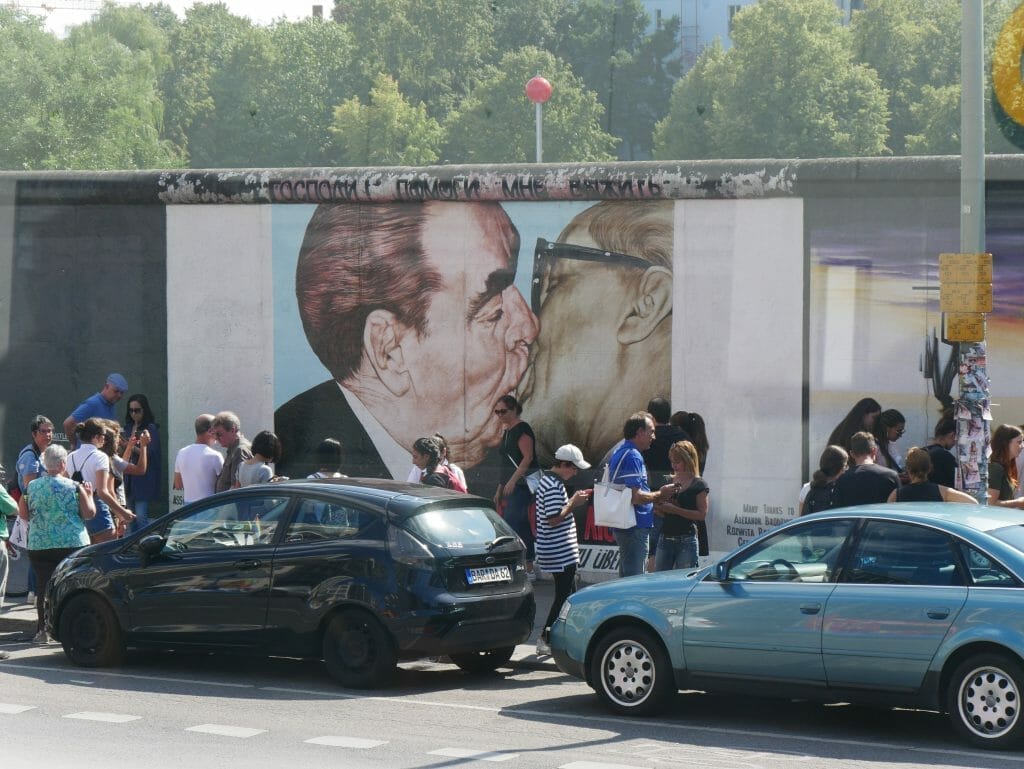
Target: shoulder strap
(618, 467)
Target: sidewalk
(18, 625)
(17, 621)
(526, 653)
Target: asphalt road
(196, 711)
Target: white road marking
(577, 720)
(476, 755)
(110, 718)
(347, 742)
(15, 709)
(78, 681)
(597, 765)
(225, 731)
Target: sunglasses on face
(501, 412)
(546, 252)
(134, 411)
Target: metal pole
(974, 390)
(540, 132)
(972, 131)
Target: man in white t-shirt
(197, 466)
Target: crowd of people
(108, 484)
(862, 464)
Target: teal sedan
(911, 605)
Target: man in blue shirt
(99, 405)
(29, 466)
(627, 466)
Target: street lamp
(538, 90)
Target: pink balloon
(538, 90)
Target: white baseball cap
(570, 453)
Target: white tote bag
(19, 534)
(613, 502)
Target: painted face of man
(582, 307)
(478, 328)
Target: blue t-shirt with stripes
(557, 546)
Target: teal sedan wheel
(984, 700)
(631, 672)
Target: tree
(28, 84)
(794, 89)
(387, 130)
(199, 46)
(495, 122)
(686, 132)
(633, 71)
(913, 45)
(433, 48)
(269, 99)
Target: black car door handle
(810, 608)
(245, 565)
(937, 613)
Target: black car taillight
(407, 549)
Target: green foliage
(433, 48)
(788, 88)
(495, 122)
(417, 81)
(387, 131)
(686, 132)
(267, 96)
(89, 102)
(28, 85)
(632, 71)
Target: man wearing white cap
(100, 404)
(558, 551)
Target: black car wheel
(90, 633)
(631, 672)
(483, 662)
(983, 700)
(358, 651)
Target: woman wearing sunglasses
(142, 490)
(518, 461)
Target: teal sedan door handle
(937, 613)
(810, 608)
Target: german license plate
(488, 574)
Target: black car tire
(983, 700)
(483, 662)
(631, 672)
(358, 651)
(89, 632)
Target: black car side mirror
(151, 546)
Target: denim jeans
(676, 553)
(141, 509)
(517, 515)
(632, 550)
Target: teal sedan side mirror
(722, 571)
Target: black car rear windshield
(456, 528)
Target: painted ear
(652, 303)
(382, 347)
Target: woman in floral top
(56, 508)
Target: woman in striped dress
(557, 548)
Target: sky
(259, 11)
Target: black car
(359, 573)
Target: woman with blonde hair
(677, 548)
(920, 489)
